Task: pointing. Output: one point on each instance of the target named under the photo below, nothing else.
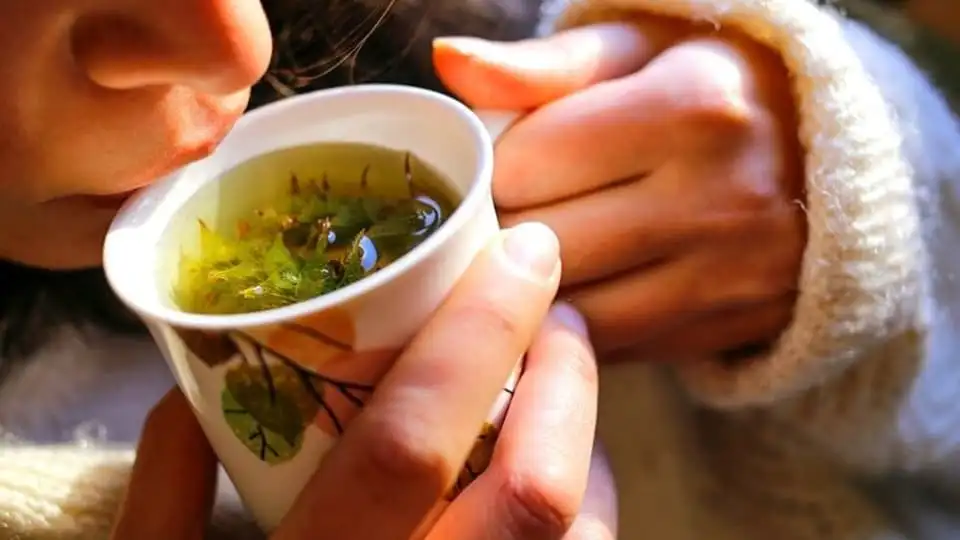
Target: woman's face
(101, 97)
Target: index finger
(404, 451)
(528, 74)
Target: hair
(317, 44)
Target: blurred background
(928, 30)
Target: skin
(398, 457)
(100, 97)
(663, 155)
(676, 143)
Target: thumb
(530, 73)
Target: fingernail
(467, 46)
(570, 318)
(489, 52)
(533, 249)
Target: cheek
(62, 135)
(29, 59)
(99, 142)
(62, 144)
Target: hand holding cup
(385, 476)
(274, 388)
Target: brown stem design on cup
(315, 385)
(281, 379)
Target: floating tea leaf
(321, 236)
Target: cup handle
(497, 122)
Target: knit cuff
(62, 493)
(862, 276)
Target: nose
(213, 46)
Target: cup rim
(146, 201)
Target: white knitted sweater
(800, 445)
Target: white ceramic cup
(270, 447)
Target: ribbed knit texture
(862, 387)
(60, 492)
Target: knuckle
(538, 506)
(718, 100)
(764, 180)
(761, 196)
(722, 119)
(753, 192)
(400, 459)
(487, 319)
(716, 91)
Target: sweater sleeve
(73, 493)
(866, 117)
(61, 493)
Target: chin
(66, 256)
(78, 247)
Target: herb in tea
(314, 241)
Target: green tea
(344, 211)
